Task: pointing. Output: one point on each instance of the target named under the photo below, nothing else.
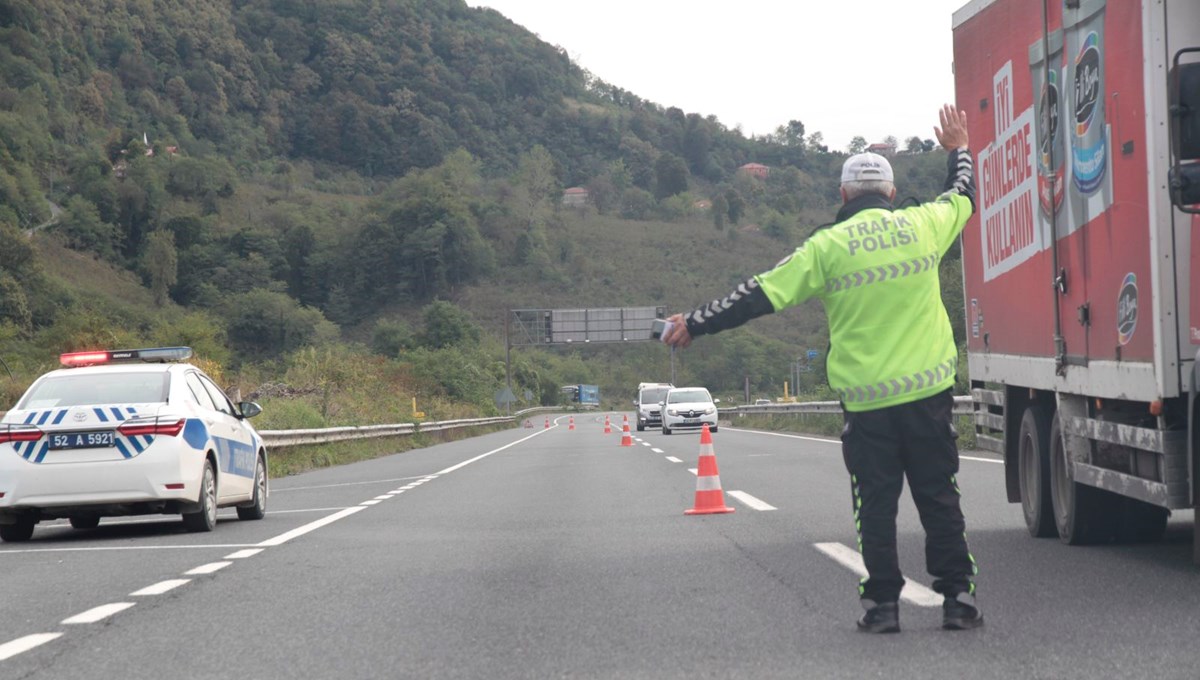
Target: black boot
(880, 618)
(961, 613)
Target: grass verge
(293, 460)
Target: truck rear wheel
(1083, 514)
(1033, 467)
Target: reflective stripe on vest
(865, 277)
(902, 385)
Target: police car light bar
(122, 356)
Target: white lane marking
(23, 644)
(645, 443)
(161, 587)
(694, 471)
(242, 554)
(673, 459)
(838, 441)
(789, 436)
(982, 460)
(223, 546)
(751, 502)
(311, 526)
(657, 450)
(331, 486)
(397, 492)
(210, 568)
(167, 519)
(481, 456)
(384, 497)
(913, 592)
(98, 613)
(371, 502)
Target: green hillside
(345, 197)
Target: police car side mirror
(249, 409)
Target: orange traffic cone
(547, 423)
(528, 423)
(571, 423)
(607, 425)
(709, 497)
(626, 417)
(626, 438)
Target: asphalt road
(535, 553)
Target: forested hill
(276, 174)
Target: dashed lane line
(657, 450)
(751, 502)
(673, 459)
(913, 592)
(24, 644)
(311, 526)
(243, 554)
(97, 613)
(210, 568)
(160, 587)
(274, 489)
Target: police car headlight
(672, 412)
(710, 410)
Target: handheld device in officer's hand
(659, 328)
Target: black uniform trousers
(881, 448)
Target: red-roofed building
(575, 196)
(882, 149)
(755, 170)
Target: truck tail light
(167, 426)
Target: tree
(858, 144)
(265, 323)
(720, 210)
(737, 205)
(160, 263)
(913, 145)
(671, 176)
(446, 326)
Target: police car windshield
(688, 396)
(97, 388)
(653, 395)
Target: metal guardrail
(962, 407)
(325, 435)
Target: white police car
(128, 432)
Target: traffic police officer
(892, 360)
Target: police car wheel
(258, 508)
(204, 519)
(85, 521)
(22, 530)
(666, 430)
(713, 428)
(641, 427)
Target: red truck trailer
(1081, 265)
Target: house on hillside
(575, 196)
(883, 149)
(755, 170)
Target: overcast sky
(855, 67)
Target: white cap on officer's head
(866, 166)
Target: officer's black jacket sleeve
(960, 174)
(747, 302)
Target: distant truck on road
(1081, 266)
